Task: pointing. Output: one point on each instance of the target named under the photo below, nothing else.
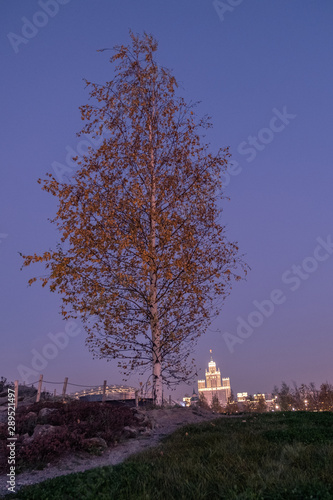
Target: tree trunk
(157, 375)
(155, 331)
(154, 323)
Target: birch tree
(143, 257)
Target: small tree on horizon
(300, 395)
(231, 398)
(261, 405)
(326, 397)
(203, 403)
(216, 405)
(143, 258)
(231, 407)
(285, 398)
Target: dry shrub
(73, 423)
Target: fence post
(39, 388)
(136, 399)
(16, 392)
(104, 392)
(65, 387)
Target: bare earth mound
(163, 422)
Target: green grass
(270, 456)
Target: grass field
(267, 456)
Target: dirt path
(164, 422)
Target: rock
(130, 432)
(139, 416)
(95, 442)
(26, 438)
(41, 430)
(44, 412)
(31, 416)
(142, 419)
(146, 422)
(147, 432)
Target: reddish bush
(74, 422)
(46, 448)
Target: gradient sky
(248, 65)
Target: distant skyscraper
(213, 386)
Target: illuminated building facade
(112, 392)
(242, 397)
(214, 385)
(191, 400)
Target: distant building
(191, 400)
(270, 402)
(247, 402)
(194, 398)
(187, 400)
(242, 396)
(112, 392)
(214, 386)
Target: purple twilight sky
(263, 71)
